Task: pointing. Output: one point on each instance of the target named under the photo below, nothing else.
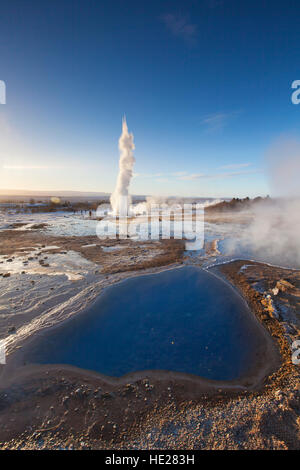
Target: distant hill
(13, 195)
(236, 205)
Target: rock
(6, 275)
(12, 329)
(278, 395)
(97, 393)
(283, 285)
(108, 395)
(65, 400)
(80, 393)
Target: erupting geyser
(120, 198)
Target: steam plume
(274, 233)
(120, 198)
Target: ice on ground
(71, 264)
(109, 249)
(232, 234)
(58, 223)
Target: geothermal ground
(53, 266)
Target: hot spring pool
(183, 320)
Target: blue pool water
(183, 320)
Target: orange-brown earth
(133, 255)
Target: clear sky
(205, 85)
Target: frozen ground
(37, 276)
(35, 261)
(52, 266)
(232, 239)
(58, 223)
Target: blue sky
(205, 85)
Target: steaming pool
(184, 320)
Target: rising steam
(274, 234)
(120, 199)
